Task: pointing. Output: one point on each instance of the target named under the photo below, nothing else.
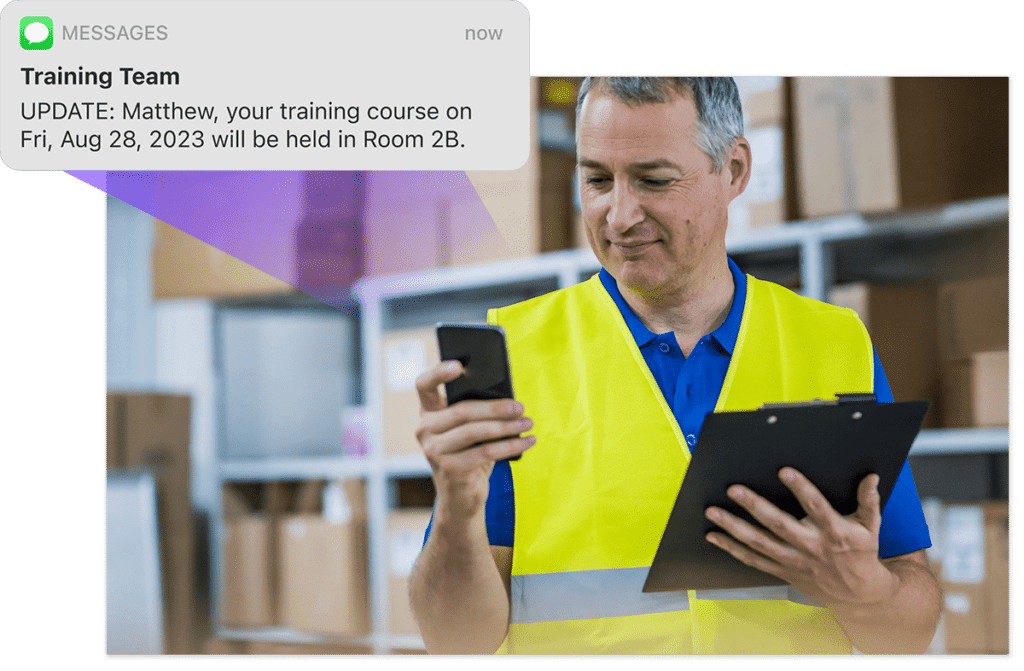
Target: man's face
(655, 213)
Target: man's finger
(869, 510)
(811, 500)
(464, 412)
(484, 454)
(428, 385)
(783, 525)
(768, 543)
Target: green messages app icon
(36, 32)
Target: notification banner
(264, 85)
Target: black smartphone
(480, 348)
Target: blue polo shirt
(691, 386)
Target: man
(617, 374)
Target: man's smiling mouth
(633, 248)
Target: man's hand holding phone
(469, 419)
(462, 441)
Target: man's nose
(624, 211)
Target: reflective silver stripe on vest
(581, 595)
(776, 593)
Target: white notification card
(332, 85)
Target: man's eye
(657, 183)
(596, 181)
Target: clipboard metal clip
(841, 399)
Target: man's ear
(739, 166)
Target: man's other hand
(827, 556)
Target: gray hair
(719, 114)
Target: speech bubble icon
(36, 32)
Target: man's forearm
(457, 592)
(903, 623)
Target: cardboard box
(975, 578)
(152, 431)
(973, 341)
(976, 390)
(276, 231)
(405, 354)
(763, 202)
(766, 202)
(248, 580)
(323, 563)
(249, 569)
(185, 266)
(405, 539)
(866, 144)
(901, 319)
(974, 316)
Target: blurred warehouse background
(266, 494)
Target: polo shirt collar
(725, 335)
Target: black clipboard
(834, 443)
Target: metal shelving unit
(422, 298)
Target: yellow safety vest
(592, 498)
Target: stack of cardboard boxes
(768, 198)
(901, 319)
(970, 557)
(322, 556)
(882, 144)
(974, 343)
(249, 570)
(948, 342)
(872, 144)
(945, 342)
(295, 556)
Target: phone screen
(481, 350)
